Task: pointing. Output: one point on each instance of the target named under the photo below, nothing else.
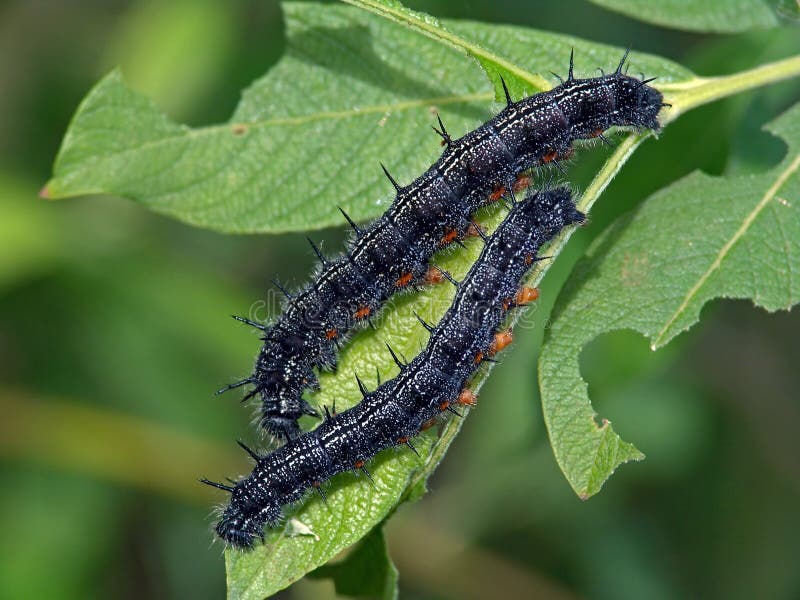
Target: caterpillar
(432, 383)
(433, 211)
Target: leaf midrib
(304, 119)
(769, 195)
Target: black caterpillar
(430, 384)
(433, 211)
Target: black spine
(432, 211)
(425, 387)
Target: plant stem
(702, 90)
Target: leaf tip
(660, 340)
(46, 193)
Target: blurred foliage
(722, 16)
(113, 316)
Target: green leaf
(720, 16)
(493, 64)
(305, 138)
(350, 90)
(523, 57)
(367, 571)
(702, 238)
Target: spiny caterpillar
(432, 383)
(392, 253)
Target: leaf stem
(702, 90)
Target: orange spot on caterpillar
(524, 296)
(501, 340)
(449, 236)
(549, 157)
(331, 334)
(402, 440)
(467, 398)
(428, 424)
(474, 230)
(554, 155)
(596, 133)
(358, 464)
(527, 294)
(433, 276)
(478, 357)
(362, 312)
(444, 405)
(404, 280)
(521, 183)
(497, 193)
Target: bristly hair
(433, 384)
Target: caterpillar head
(558, 208)
(638, 104)
(242, 521)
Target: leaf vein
(304, 119)
(793, 166)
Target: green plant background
(113, 333)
